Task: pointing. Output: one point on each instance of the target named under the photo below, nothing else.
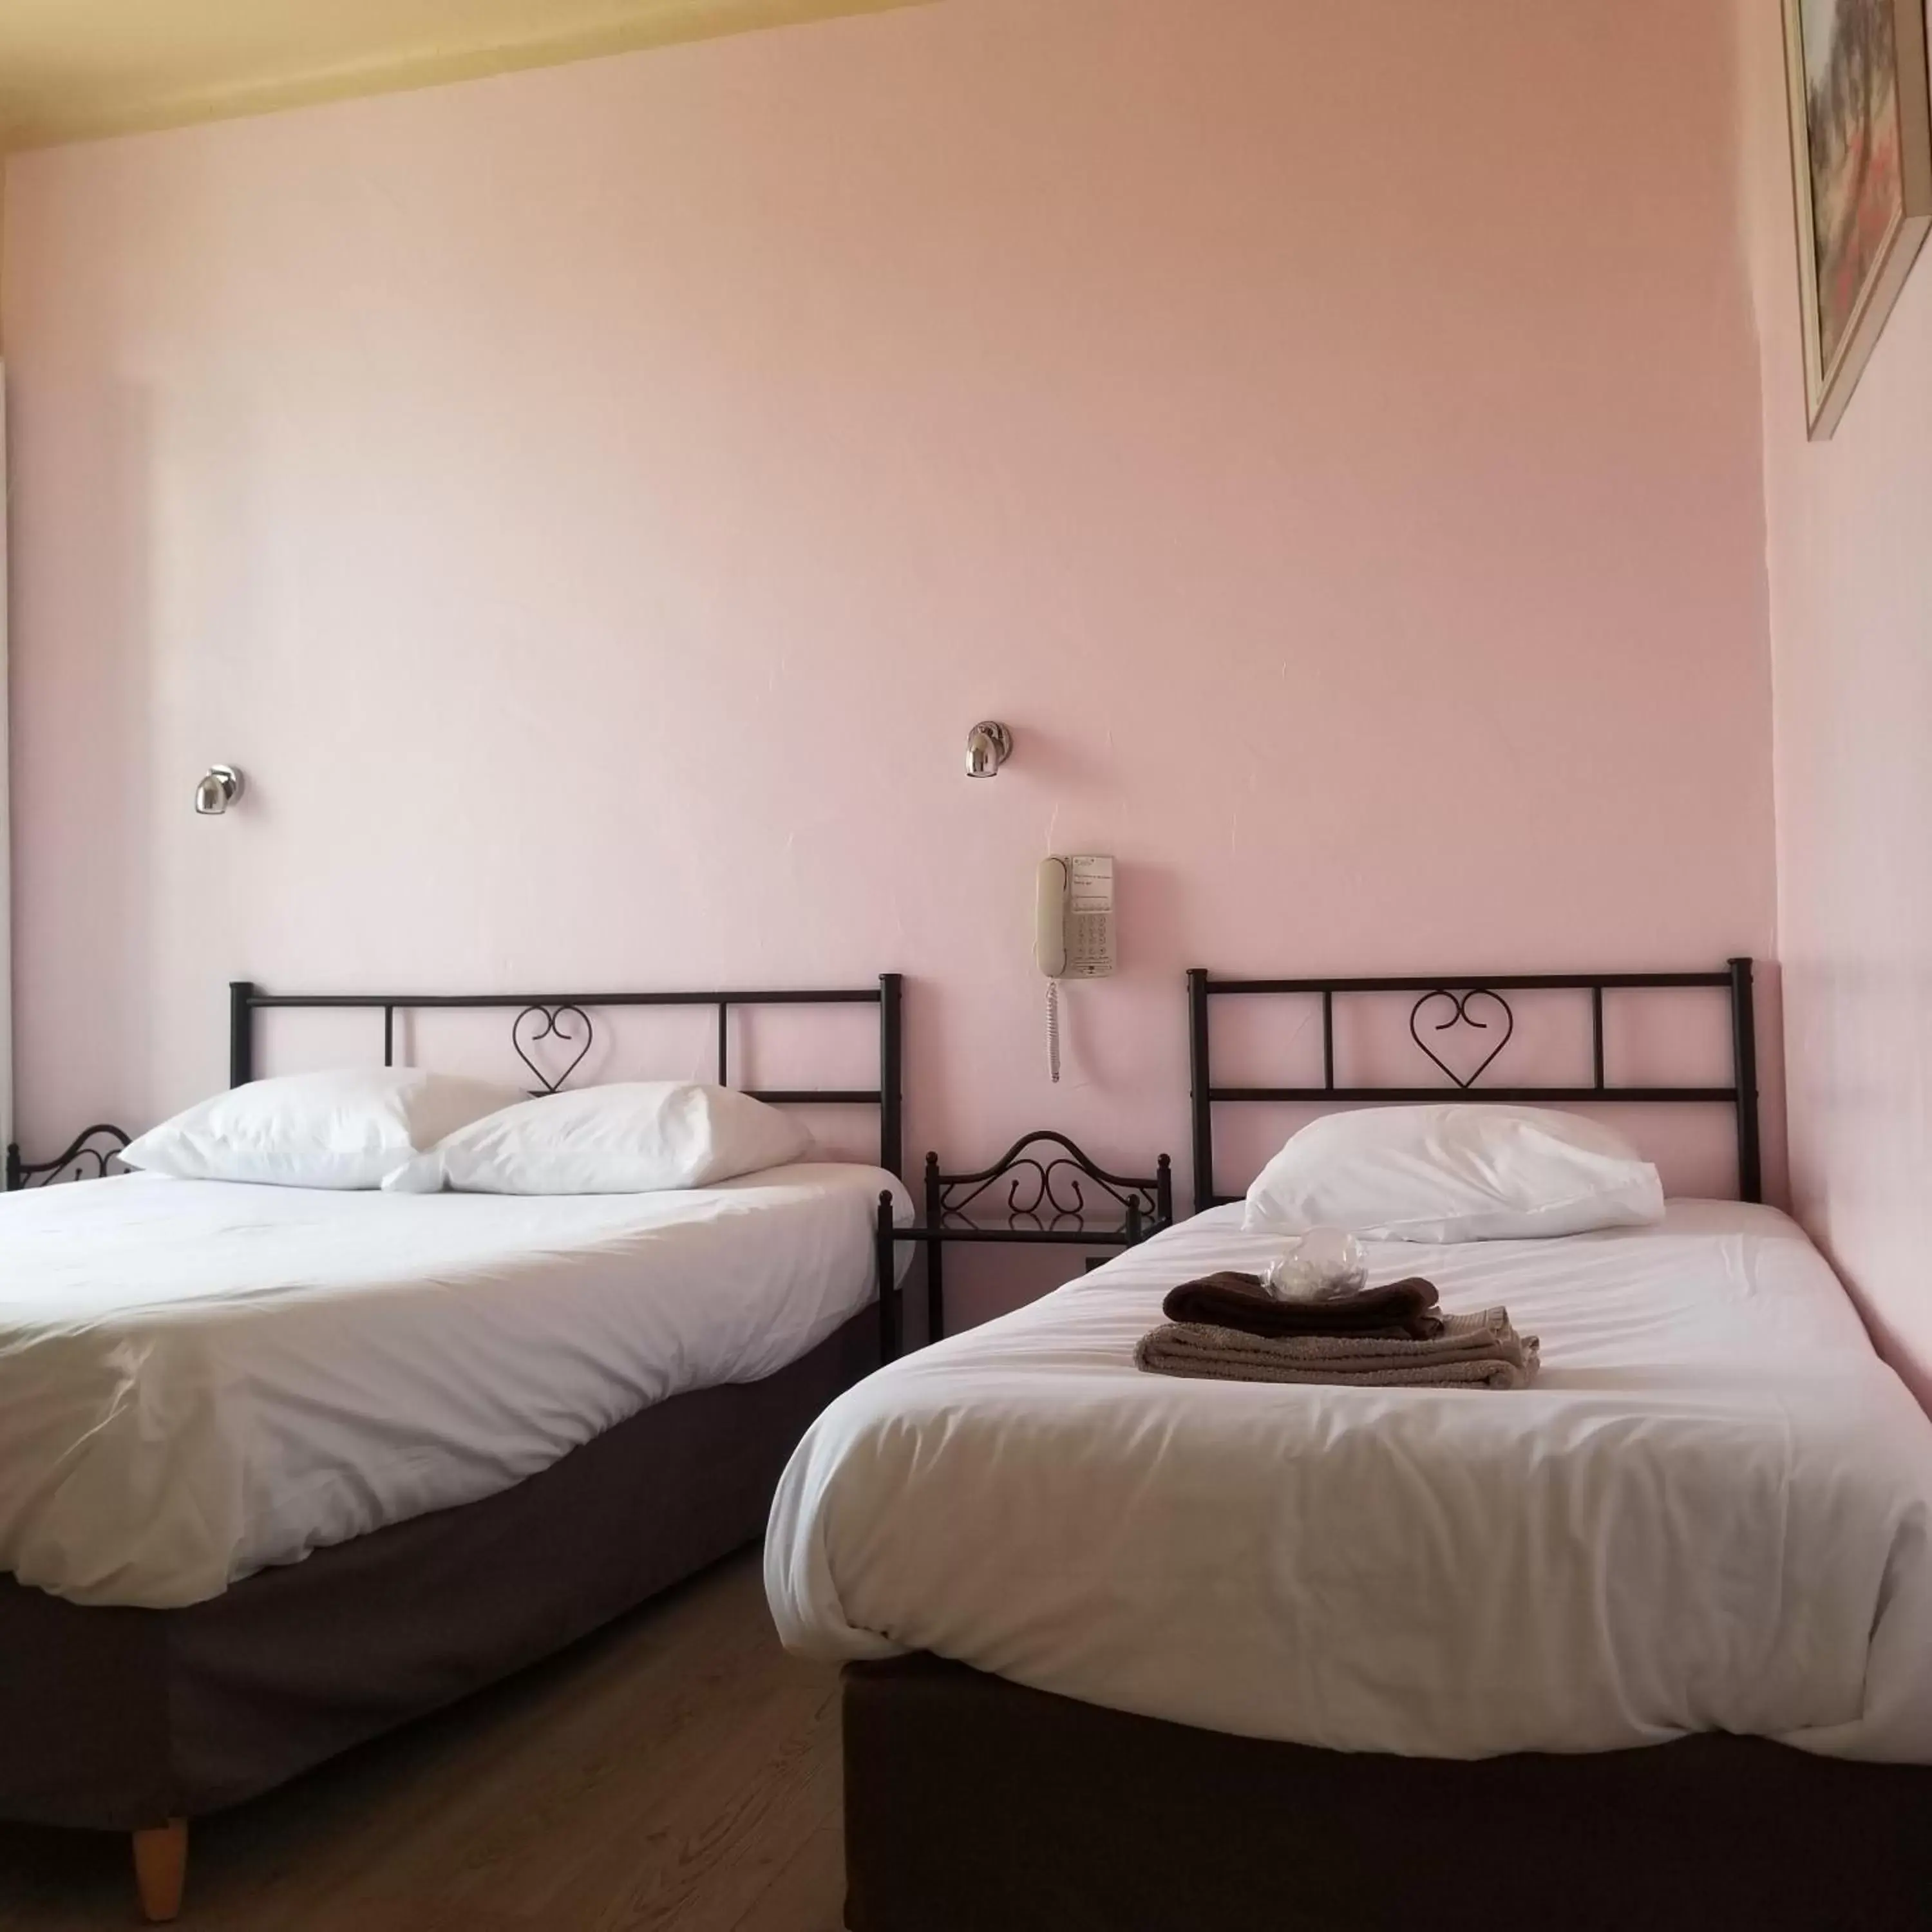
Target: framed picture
(1861, 159)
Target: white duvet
(198, 1379)
(1711, 1513)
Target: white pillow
(350, 1128)
(633, 1137)
(1458, 1173)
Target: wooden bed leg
(160, 1869)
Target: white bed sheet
(1711, 1513)
(198, 1379)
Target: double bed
(282, 1467)
(1650, 1642)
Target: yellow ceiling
(73, 69)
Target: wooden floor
(678, 1769)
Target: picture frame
(1862, 172)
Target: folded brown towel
(1481, 1350)
(1232, 1301)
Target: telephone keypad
(1086, 940)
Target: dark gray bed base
(125, 1718)
(972, 1803)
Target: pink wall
(593, 506)
(1850, 550)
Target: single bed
(1125, 1650)
(280, 1467)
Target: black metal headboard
(553, 1013)
(1741, 1095)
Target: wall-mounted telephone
(1074, 931)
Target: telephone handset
(1074, 931)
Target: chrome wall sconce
(219, 789)
(988, 746)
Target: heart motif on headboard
(1460, 1014)
(553, 1028)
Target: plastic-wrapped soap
(1325, 1263)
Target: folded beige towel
(1479, 1351)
